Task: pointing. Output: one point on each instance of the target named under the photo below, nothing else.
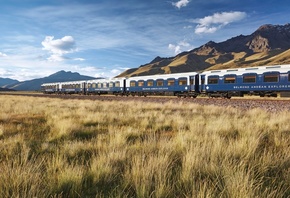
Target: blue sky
(105, 37)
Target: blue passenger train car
(263, 81)
(97, 86)
(50, 88)
(104, 86)
(163, 84)
(73, 87)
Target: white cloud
(176, 48)
(2, 54)
(211, 24)
(181, 3)
(5, 73)
(180, 47)
(95, 71)
(58, 47)
(115, 71)
(56, 57)
(205, 29)
(87, 69)
(79, 59)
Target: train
(226, 83)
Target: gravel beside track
(270, 105)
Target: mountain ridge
(7, 81)
(35, 84)
(268, 45)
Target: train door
(84, 86)
(202, 83)
(124, 86)
(196, 84)
(58, 88)
(191, 83)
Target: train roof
(256, 70)
(50, 84)
(73, 82)
(164, 76)
(105, 80)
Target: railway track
(270, 105)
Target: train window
(182, 82)
(140, 83)
(230, 79)
(111, 84)
(94, 85)
(271, 77)
(99, 85)
(170, 82)
(150, 83)
(132, 84)
(105, 85)
(249, 79)
(213, 80)
(117, 84)
(159, 83)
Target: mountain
(268, 45)
(7, 81)
(61, 76)
(5, 89)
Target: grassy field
(81, 148)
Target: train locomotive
(261, 81)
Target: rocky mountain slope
(268, 45)
(61, 76)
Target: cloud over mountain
(211, 24)
(181, 46)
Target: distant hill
(7, 81)
(268, 45)
(5, 89)
(61, 76)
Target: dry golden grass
(180, 61)
(81, 148)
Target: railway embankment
(268, 104)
